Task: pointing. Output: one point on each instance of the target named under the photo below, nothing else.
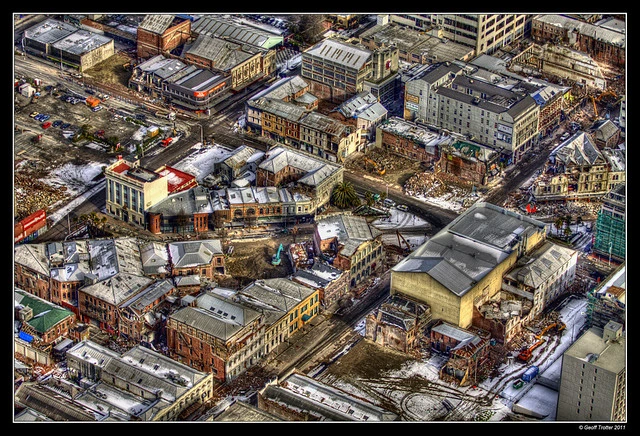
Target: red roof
(178, 180)
(121, 167)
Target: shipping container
(92, 101)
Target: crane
(275, 259)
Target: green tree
(344, 196)
(369, 198)
(558, 223)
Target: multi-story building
(63, 43)
(216, 335)
(420, 87)
(183, 212)
(140, 317)
(41, 323)
(202, 257)
(603, 43)
(367, 112)
(414, 46)
(503, 119)
(116, 276)
(486, 33)
(287, 306)
(336, 69)
(593, 382)
(398, 323)
(333, 140)
(257, 40)
(291, 89)
(316, 176)
(131, 189)
(542, 276)
(610, 240)
(577, 169)
(462, 266)
(607, 301)
(161, 33)
(137, 385)
(332, 283)
(242, 63)
(352, 244)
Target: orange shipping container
(92, 101)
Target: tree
(558, 223)
(344, 196)
(369, 198)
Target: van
(388, 202)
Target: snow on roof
(469, 247)
(202, 161)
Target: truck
(530, 373)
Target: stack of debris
(426, 184)
(31, 194)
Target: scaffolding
(610, 232)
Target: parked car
(403, 207)
(57, 123)
(34, 114)
(46, 125)
(564, 136)
(96, 108)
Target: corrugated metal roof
(470, 247)
(156, 23)
(339, 52)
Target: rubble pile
(31, 194)
(587, 210)
(426, 184)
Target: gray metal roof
(223, 54)
(350, 230)
(186, 254)
(469, 247)
(340, 53)
(150, 294)
(32, 256)
(217, 316)
(81, 42)
(579, 150)
(213, 26)
(155, 258)
(50, 31)
(317, 170)
(162, 67)
(543, 264)
(283, 88)
(156, 23)
(194, 200)
(281, 294)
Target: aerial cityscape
(320, 217)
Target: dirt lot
(397, 169)
(251, 260)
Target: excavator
(275, 259)
(377, 168)
(526, 354)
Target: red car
(46, 125)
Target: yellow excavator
(377, 168)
